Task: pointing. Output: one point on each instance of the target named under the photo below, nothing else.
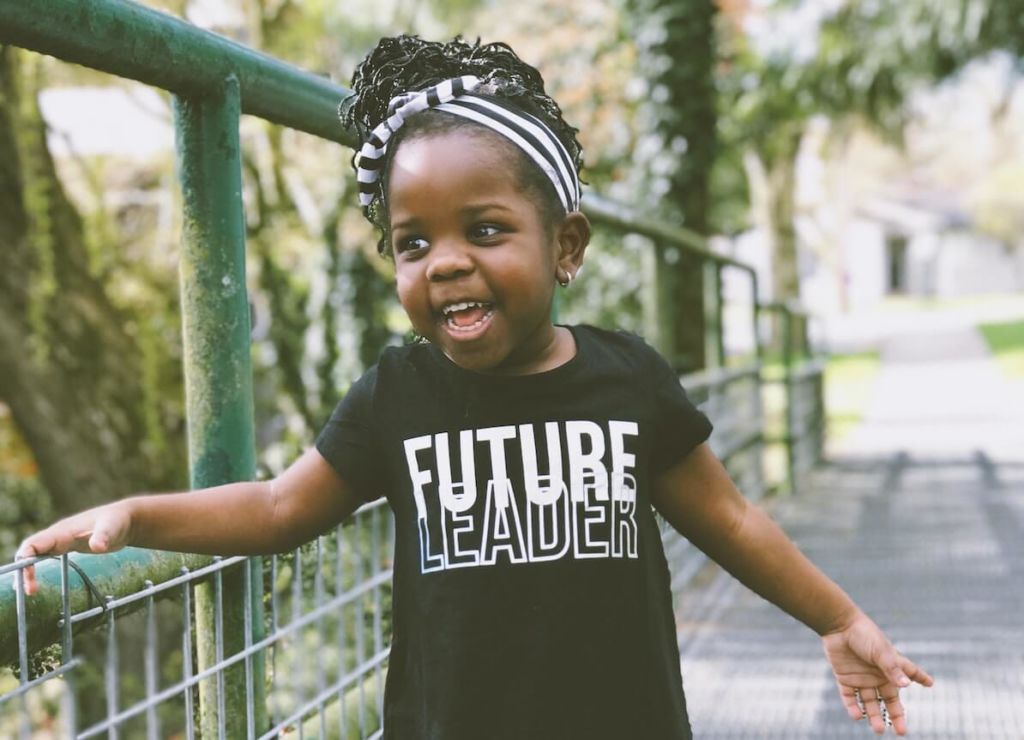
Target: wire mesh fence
(806, 417)
(127, 666)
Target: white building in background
(919, 245)
(915, 245)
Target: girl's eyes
(484, 231)
(477, 233)
(411, 244)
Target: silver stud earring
(568, 279)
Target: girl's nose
(448, 260)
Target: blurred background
(865, 156)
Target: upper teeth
(453, 307)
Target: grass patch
(1006, 303)
(849, 380)
(1006, 340)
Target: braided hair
(404, 63)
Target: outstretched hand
(870, 672)
(103, 529)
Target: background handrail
(139, 43)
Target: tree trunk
(782, 229)
(773, 194)
(676, 45)
(70, 372)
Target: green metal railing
(135, 42)
(213, 81)
(801, 376)
(338, 585)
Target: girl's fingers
(34, 546)
(107, 535)
(850, 702)
(873, 707)
(29, 573)
(915, 672)
(67, 535)
(891, 664)
(902, 671)
(897, 714)
(29, 580)
(37, 544)
(880, 706)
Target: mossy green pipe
(118, 574)
(218, 379)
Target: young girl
(521, 459)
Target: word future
(581, 507)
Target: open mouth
(467, 316)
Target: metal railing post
(218, 374)
(757, 392)
(822, 403)
(659, 316)
(714, 330)
(787, 363)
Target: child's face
(475, 263)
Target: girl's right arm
(246, 518)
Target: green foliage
(868, 59)
(858, 67)
(373, 298)
(849, 382)
(37, 196)
(610, 290)
(40, 705)
(288, 295)
(297, 582)
(675, 40)
(24, 509)
(998, 204)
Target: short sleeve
(350, 443)
(679, 426)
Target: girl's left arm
(698, 498)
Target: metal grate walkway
(928, 538)
(933, 550)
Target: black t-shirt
(531, 594)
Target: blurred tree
(866, 60)
(773, 84)
(313, 269)
(90, 362)
(83, 371)
(676, 51)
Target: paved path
(940, 393)
(920, 517)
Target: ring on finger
(884, 709)
(860, 704)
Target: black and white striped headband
(455, 96)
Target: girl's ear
(572, 237)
